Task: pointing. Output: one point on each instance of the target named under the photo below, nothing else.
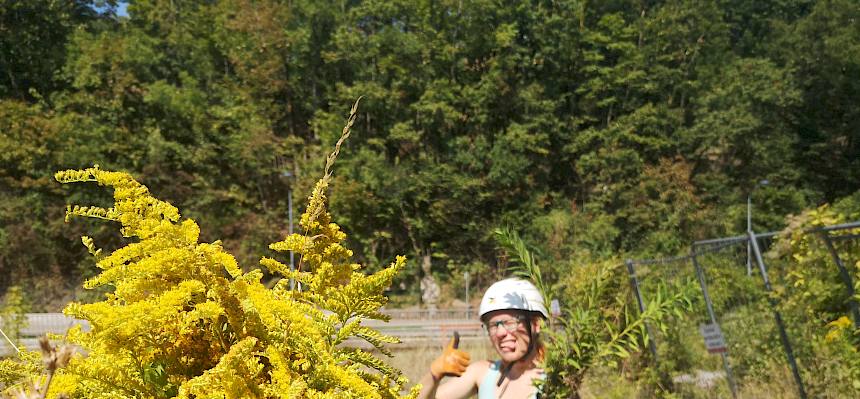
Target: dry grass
(415, 361)
(781, 385)
(603, 383)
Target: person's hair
(539, 347)
(527, 314)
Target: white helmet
(513, 294)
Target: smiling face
(509, 334)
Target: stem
(47, 383)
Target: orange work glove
(452, 362)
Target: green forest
(595, 128)
(595, 131)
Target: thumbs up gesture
(452, 362)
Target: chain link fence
(752, 299)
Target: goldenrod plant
(183, 320)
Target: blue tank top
(487, 389)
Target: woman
(512, 311)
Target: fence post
(700, 274)
(782, 334)
(846, 277)
(634, 282)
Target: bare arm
(460, 387)
(428, 387)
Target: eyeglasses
(510, 325)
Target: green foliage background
(591, 127)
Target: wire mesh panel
(842, 243)
(812, 275)
(775, 315)
(683, 363)
(742, 309)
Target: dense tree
(33, 35)
(597, 127)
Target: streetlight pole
(749, 223)
(288, 175)
(290, 213)
(749, 227)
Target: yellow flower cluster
(183, 320)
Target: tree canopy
(597, 127)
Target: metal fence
(35, 326)
(415, 327)
(743, 289)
